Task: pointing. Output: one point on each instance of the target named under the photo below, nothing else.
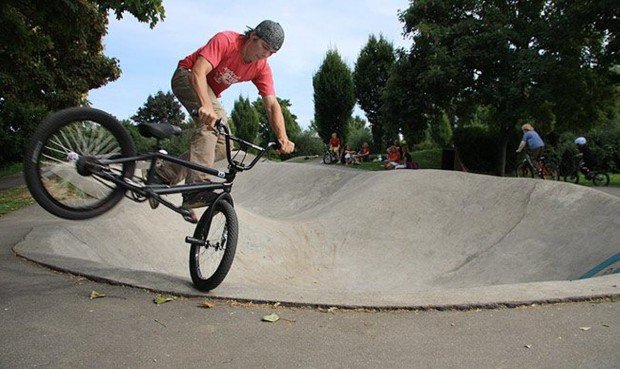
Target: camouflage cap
(271, 32)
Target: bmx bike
(81, 162)
(330, 157)
(598, 178)
(543, 168)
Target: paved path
(48, 320)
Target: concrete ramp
(328, 235)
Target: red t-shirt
(223, 51)
(334, 142)
(394, 156)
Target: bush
(308, 144)
(477, 148)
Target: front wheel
(210, 262)
(572, 177)
(600, 179)
(328, 158)
(59, 158)
(525, 171)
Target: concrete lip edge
(496, 296)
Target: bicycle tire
(572, 177)
(524, 171)
(327, 158)
(600, 179)
(51, 157)
(219, 229)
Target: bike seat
(159, 130)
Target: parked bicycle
(541, 168)
(81, 162)
(330, 157)
(598, 178)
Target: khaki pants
(205, 147)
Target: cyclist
(534, 142)
(587, 156)
(228, 57)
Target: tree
(161, 108)
(246, 119)
(334, 97)
(290, 121)
(370, 76)
(539, 61)
(51, 56)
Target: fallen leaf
(95, 295)
(276, 304)
(159, 299)
(206, 304)
(271, 318)
(528, 346)
(585, 328)
(606, 325)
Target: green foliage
(403, 104)
(161, 108)
(308, 143)
(151, 11)
(51, 56)
(477, 148)
(358, 133)
(370, 76)
(246, 120)
(547, 62)
(334, 97)
(290, 121)
(441, 131)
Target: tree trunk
(501, 155)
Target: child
(587, 156)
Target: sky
(148, 57)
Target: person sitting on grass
(406, 161)
(363, 154)
(393, 158)
(347, 155)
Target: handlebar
(224, 130)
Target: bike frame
(148, 190)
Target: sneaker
(198, 199)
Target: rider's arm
(521, 146)
(274, 112)
(198, 79)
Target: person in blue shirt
(532, 140)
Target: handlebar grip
(274, 145)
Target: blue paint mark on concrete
(602, 266)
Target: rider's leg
(205, 146)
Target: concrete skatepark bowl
(330, 236)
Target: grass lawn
(14, 199)
(614, 180)
(10, 169)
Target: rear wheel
(601, 179)
(525, 171)
(71, 139)
(210, 262)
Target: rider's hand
(207, 116)
(286, 146)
